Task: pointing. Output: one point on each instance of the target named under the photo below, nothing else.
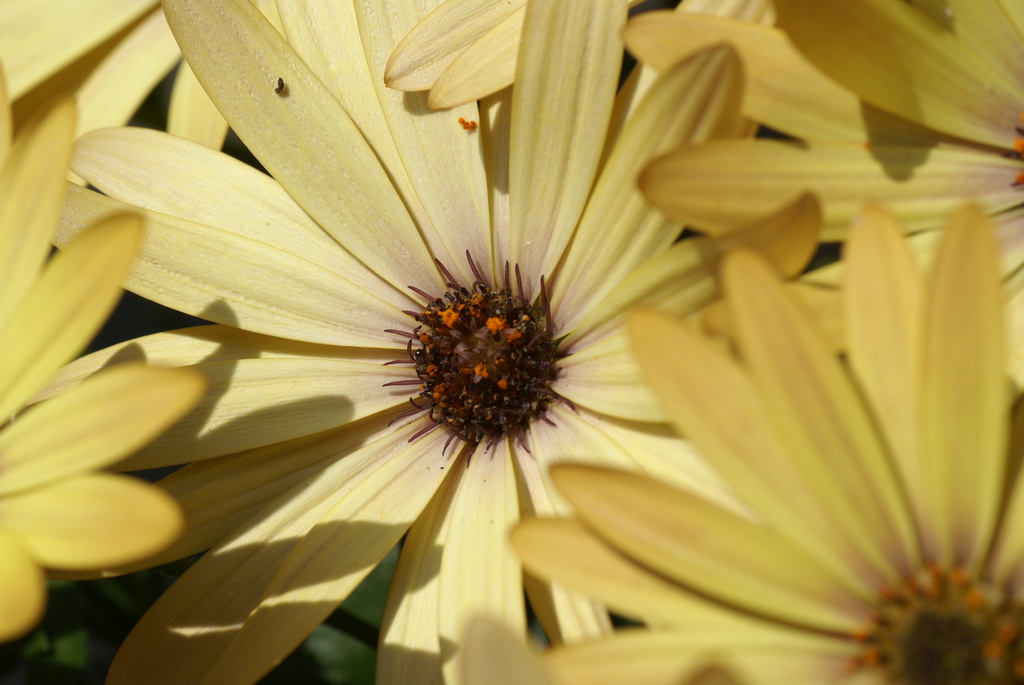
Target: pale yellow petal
(23, 591)
(823, 303)
(495, 130)
(707, 394)
(219, 495)
(565, 86)
(1007, 554)
(38, 38)
(485, 67)
(409, 648)
(897, 59)
(492, 654)
(431, 46)
(65, 307)
(603, 376)
(818, 410)
(440, 156)
(784, 90)
(565, 615)
(92, 521)
(188, 346)
(719, 185)
(1015, 13)
(303, 138)
(659, 451)
(245, 281)
(566, 551)
(119, 84)
(683, 278)
(192, 182)
(187, 631)
(963, 390)
(31, 189)
(327, 36)
(695, 101)
(6, 125)
(984, 26)
(254, 402)
(755, 11)
(101, 422)
(330, 561)
(701, 545)
(882, 308)
(479, 574)
(191, 114)
(753, 654)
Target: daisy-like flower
(914, 104)
(110, 54)
(884, 537)
(56, 512)
(419, 312)
(465, 50)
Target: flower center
(485, 358)
(944, 629)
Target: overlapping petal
(562, 104)
(102, 421)
(64, 308)
(306, 140)
(897, 59)
(295, 567)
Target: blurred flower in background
(914, 104)
(56, 512)
(884, 535)
(305, 470)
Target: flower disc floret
(486, 359)
(945, 629)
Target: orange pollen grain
(449, 317)
(1018, 146)
(424, 338)
(512, 334)
(495, 324)
(467, 124)
(503, 384)
(1019, 178)
(480, 370)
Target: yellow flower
(894, 102)
(884, 536)
(110, 54)
(314, 454)
(465, 50)
(56, 512)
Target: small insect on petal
(279, 88)
(468, 125)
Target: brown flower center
(485, 358)
(944, 628)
